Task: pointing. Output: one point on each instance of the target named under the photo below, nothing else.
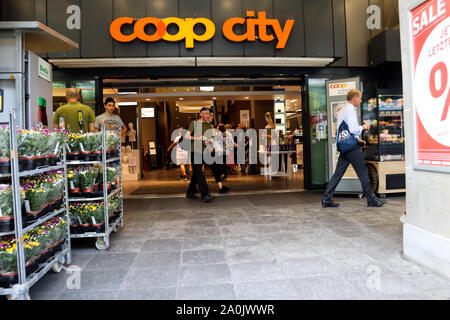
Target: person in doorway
(76, 117)
(354, 157)
(228, 145)
(182, 156)
(196, 134)
(109, 116)
(216, 151)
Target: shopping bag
(345, 140)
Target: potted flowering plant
(87, 180)
(6, 209)
(5, 162)
(85, 217)
(98, 217)
(112, 143)
(40, 137)
(73, 146)
(94, 145)
(8, 261)
(84, 148)
(54, 183)
(111, 175)
(61, 140)
(74, 215)
(35, 200)
(26, 146)
(73, 177)
(51, 148)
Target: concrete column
(426, 233)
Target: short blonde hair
(353, 93)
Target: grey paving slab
(50, 283)
(262, 252)
(308, 266)
(93, 280)
(266, 290)
(207, 256)
(162, 245)
(256, 271)
(155, 277)
(326, 288)
(146, 294)
(204, 275)
(211, 292)
(80, 259)
(87, 295)
(110, 261)
(157, 259)
(202, 243)
(242, 241)
(126, 245)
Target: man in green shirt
(196, 133)
(77, 117)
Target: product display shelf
(19, 290)
(103, 240)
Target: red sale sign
(430, 23)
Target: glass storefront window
(319, 142)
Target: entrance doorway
(155, 109)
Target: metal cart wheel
(100, 244)
(116, 228)
(360, 196)
(57, 267)
(382, 195)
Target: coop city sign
(186, 29)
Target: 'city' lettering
(262, 22)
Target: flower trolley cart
(34, 228)
(95, 185)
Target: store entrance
(154, 111)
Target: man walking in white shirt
(354, 157)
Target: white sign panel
(341, 89)
(44, 70)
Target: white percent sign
(432, 86)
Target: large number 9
(436, 93)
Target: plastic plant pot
(99, 227)
(85, 155)
(5, 165)
(8, 279)
(74, 229)
(7, 224)
(46, 161)
(88, 190)
(73, 155)
(84, 228)
(40, 161)
(53, 160)
(96, 156)
(27, 163)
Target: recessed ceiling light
(181, 98)
(214, 98)
(246, 97)
(147, 99)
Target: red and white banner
(431, 57)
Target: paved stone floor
(277, 246)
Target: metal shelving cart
(20, 290)
(103, 240)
